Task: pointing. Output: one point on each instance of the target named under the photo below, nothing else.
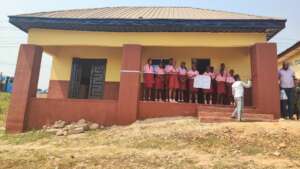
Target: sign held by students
(202, 82)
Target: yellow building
(98, 55)
(292, 56)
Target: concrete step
(228, 114)
(214, 119)
(221, 108)
(220, 113)
(228, 119)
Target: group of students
(168, 80)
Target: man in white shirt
(287, 78)
(238, 94)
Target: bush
(4, 102)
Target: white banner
(202, 82)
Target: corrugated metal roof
(292, 49)
(149, 19)
(172, 13)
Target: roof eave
(290, 49)
(150, 25)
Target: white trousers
(239, 106)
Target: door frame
(81, 61)
(195, 59)
(103, 62)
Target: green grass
(4, 102)
(28, 137)
(16, 138)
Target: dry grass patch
(159, 143)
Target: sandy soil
(173, 143)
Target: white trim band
(130, 71)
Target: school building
(98, 54)
(292, 56)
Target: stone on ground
(77, 130)
(81, 121)
(94, 126)
(59, 124)
(61, 128)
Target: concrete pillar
(265, 90)
(24, 87)
(129, 84)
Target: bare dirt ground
(170, 143)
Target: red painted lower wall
(111, 90)
(156, 109)
(58, 89)
(47, 111)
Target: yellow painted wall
(235, 58)
(62, 60)
(294, 61)
(228, 48)
(47, 37)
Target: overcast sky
(11, 37)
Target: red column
(265, 78)
(129, 84)
(24, 87)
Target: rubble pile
(62, 128)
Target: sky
(11, 37)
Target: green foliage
(23, 138)
(16, 138)
(4, 102)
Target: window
(156, 62)
(87, 78)
(201, 64)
